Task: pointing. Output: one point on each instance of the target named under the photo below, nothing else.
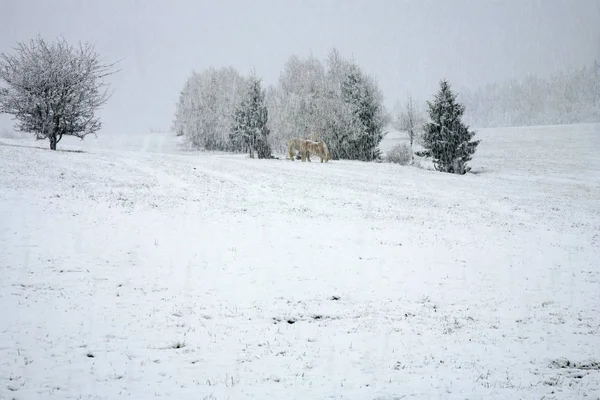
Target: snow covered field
(137, 269)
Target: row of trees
(337, 103)
(54, 90)
(219, 109)
(564, 98)
(334, 101)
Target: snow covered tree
(339, 123)
(54, 89)
(337, 103)
(446, 139)
(204, 112)
(368, 116)
(408, 119)
(250, 120)
(296, 107)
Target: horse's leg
(308, 156)
(291, 154)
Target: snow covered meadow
(132, 267)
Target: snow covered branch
(54, 89)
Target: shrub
(400, 154)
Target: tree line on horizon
(567, 97)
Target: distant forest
(565, 98)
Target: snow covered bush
(446, 139)
(54, 89)
(400, 154)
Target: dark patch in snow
(313, 317)
(590, 365)
(40, 148)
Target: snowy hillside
(133, 268)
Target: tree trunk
(458, 167)
(54, 139)
(53, 142)
(412, 153)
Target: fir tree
(250, 121)
(361, 96)
(446, 139)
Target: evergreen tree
(446, 139)
(368, 116)
(250, 120)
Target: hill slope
(190, 275)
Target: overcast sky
(408, 46)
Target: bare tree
(204, 113)
(295, 103)
(408, 119)
(336, 102)
(54, 89)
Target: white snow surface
(138, 269)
